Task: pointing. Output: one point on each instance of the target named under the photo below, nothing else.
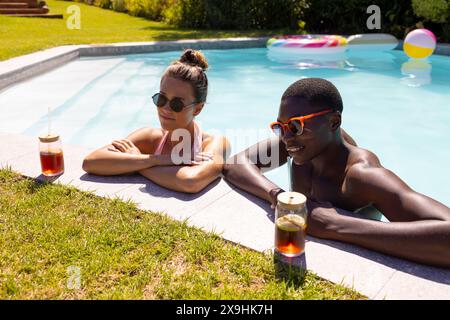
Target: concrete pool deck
(241, 218)
(238, 216)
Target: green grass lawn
(24, 35)
(126, 253)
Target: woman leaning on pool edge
(147, 151)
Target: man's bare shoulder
(366, 177)
(363, 168)
(361, 159)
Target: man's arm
(419, 229)
(244, 169)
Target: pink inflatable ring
(308, 44)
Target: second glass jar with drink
(290, 224)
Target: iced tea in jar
(51, 154)
(290, 224)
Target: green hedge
(312, 16)
(436, 14)
(350, 16)
(235, 14)
(397, 17)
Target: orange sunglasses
(295, 125)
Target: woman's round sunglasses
(294, 125)
(176, 104)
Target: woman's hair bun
(194, 58)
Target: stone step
(15, 5)
(18, 1)
(37, 15)
(27, 3)
(33, 3)
(24, 11)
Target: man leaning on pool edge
(339, 178)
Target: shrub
(398, 17)
(118, 5)
(234, 14)
(105, 4)
(350, 16)
(436, 14)
(150, 9)
(432, 10)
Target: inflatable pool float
(304, 61)
(372, 42)
(308, 44)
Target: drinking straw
(49, 126)
(49, 121)
(289, 166)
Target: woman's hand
(201, 157)
(125, 146)
(166, 159)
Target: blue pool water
(397, 108)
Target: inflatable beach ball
(419, 43)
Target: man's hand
(273, 196)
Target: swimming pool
(397, 108)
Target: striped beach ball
(419, 43)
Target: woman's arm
(125, 156)
(192, 179)
(106, 162)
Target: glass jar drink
(290, 224)
(51, 154)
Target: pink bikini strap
(197, 140)
(161, 143)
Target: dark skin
(339, 178)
